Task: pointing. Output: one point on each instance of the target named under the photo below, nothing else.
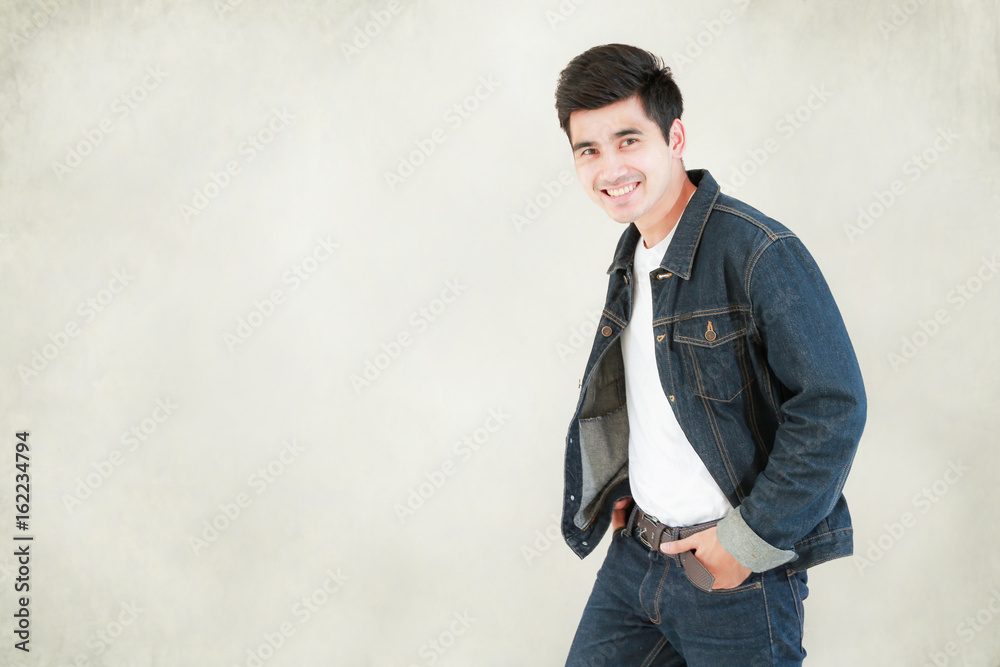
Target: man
(721, 406)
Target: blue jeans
(644, 611)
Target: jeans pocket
(698, 576)
(696, 572)
(800, 591)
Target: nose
(613, 168)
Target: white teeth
(621, 191)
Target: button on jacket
(757, 365)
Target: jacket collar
(679, 257)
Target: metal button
(671, 397)
(710, 333)
(606, 330)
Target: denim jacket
(755, 361)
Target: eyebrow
(617, 135)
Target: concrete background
(295, 315)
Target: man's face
(623, 161)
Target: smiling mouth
(617, 193)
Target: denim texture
(644, 611)
(756, 363)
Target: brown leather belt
(652, 533)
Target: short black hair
(611, 73)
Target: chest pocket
(713, 350)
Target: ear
(677, 139)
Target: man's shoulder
(738, 220)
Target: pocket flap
(708, 330)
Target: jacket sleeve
(821, 413)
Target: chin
(621, 216)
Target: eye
(629, 141)
(588, 151)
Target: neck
(675, 200)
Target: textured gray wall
(219, 309)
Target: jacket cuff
(737, 538)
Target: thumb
(678, 546)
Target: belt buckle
(641, 523)
(655, 531)
(656, 537)
(697, 573)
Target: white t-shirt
(668, 478)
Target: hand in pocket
(618, 514)
(704, 545)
